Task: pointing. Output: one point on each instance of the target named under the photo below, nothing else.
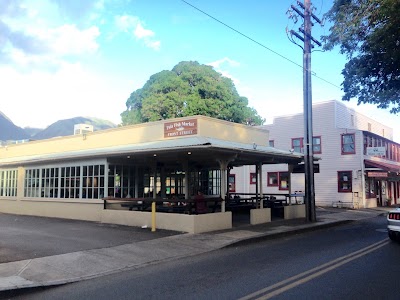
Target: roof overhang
(389, 167)
(206, 152)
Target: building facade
(358, 166)
(69, 177)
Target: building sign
(377, 174)
(180, 128)
(376, 151)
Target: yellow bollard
(153, 216)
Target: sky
(62, 59)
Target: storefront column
(185, 166)
(136, 182)
(162, 178)
(154, 169)
(223, 165)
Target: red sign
(377, 174)
(180, 128)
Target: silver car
(393, 224)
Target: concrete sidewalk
(91, 263)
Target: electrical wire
(258, 43)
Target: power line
(258, 43)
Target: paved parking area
(26, 237)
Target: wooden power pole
(304, 11)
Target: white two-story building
(359, 164)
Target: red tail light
(394, 216)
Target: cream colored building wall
(232, 132)
(141, 133)
(55, 209)
(170, 221)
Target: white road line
(301, 278)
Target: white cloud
(30, 41)
(133, 25)
(217, 64)
(142, 33)
(68, 39)
(126, 23)
(69, 92)
(227, 62)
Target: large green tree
(189, 89)
(368, 32)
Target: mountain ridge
(11, 132)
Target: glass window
(370, 188)
(348, 144)
(297, 145)
(232, 183)
(271, 143)
(345, 181)
(317, 145)
(86, 182)
(8, 183)
(272, 179)
(253, 178)
(283, 180)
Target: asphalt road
(355, 261)
(25, 237)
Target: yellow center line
(291, 282)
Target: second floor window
(348, 144)
(298, 145)
(316, 141)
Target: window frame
(232, 184)
(342, 136)
(349, 180)
(253, 178)
(320, 145)
(269, 176)
(301, 146)
(287, 181)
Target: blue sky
(60, 59)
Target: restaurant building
(69, 177)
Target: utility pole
(306, 37)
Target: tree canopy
(188, 89)
(368, 32)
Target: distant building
(82, 128)
(359, 163)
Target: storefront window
(8, 183)
(370, 188)
(253, 178)
(283, 180)
(232, 183)
(272, 179)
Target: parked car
(393, 224)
